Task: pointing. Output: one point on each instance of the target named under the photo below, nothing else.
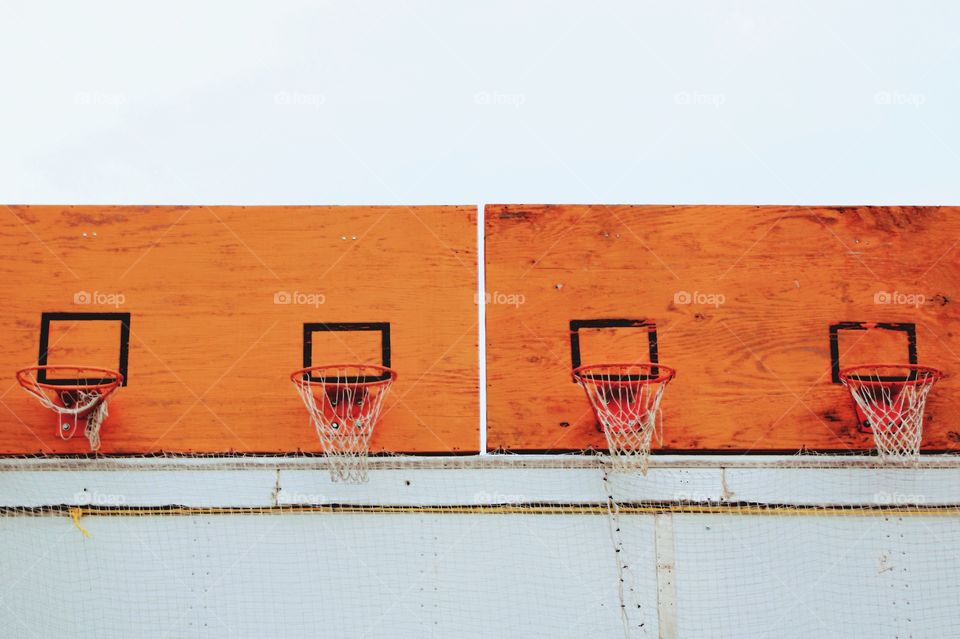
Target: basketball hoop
(890, 400)
(626, 402)
(74, 393)
(344, 401)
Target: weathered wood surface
(752, 348)
(210, 350)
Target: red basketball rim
(597, 373)
(865, 374)
(28, 377)
(366, 375)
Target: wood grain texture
(742, 297)
(210, 350)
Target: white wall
(797, 573)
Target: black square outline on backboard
(47, 317)
(576, 325)
(907, 327)
(309, 328)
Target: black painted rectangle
(309, 328)
(908, 328)
(576, 356)
(123, 335)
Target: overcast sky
(497, 101)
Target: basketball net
(890, 401)
(73, 402)
(344, 402)
(626, 402)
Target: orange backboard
(207, 311)
(756, 307)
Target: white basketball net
(344, 412)
(891, 401)
(72, 405)
(626, 401)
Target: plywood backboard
(756, 307)
(209, 309)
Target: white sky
(497, 101)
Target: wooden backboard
(756, 307)
(207, 311)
